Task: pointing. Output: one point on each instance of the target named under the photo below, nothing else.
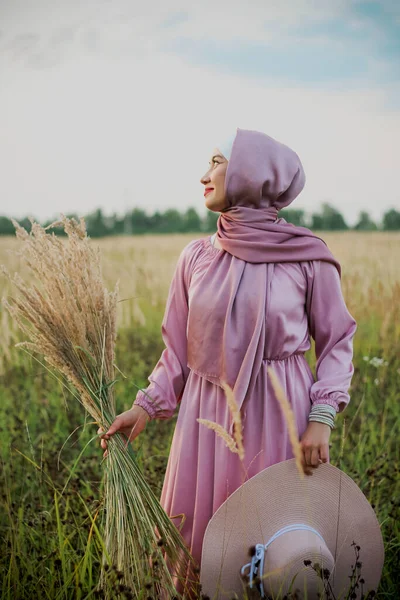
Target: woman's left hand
(315, 444)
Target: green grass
(51, 472)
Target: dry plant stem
(69, 317)
(221, 431)
(235, 443)
(237, 420)
(290, 420)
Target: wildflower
(378, 362)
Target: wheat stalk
(221, 431)
(235, 443)
(236, 417)
(290, 420)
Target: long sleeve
(169, 376)
(333, 328)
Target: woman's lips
(207, 191)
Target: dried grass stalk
(235, 443)
(69, 317)
(221, 431)
(290, 420)
(236, 417)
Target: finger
(307, 456)
(105, 454)
(314, 457)
(114, 427)
(102, 434)
(103, 444)
(324, 453)
(306, 469)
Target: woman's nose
(205, 179)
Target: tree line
(138, 221)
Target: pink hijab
(262, 177)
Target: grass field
(51, 463)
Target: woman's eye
(214, 162)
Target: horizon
(203, 216)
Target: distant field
(48, 551)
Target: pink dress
(305, 299)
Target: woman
(244, 299)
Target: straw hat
(287, 520)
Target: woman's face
(214, 182)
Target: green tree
(295, 216)
(155, 221)
(170, 221)
(329, 219)
(365, 223)
(96, 224)
(119, 222)
(140, 221)
(391, 220)
(6, 226)
(317, 222)
(191, 221)
(210, 221)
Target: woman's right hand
(129, 423)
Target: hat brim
(329, 501)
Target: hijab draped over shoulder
(226, 337)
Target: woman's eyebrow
(216, 156)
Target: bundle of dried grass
(68, 317)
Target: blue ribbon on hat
(256, 566)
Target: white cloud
(117, 124)
(126, 21)
(139, 133)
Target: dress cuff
(328, 401)
(145, 402)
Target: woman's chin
(213, 205)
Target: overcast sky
(119, 103)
